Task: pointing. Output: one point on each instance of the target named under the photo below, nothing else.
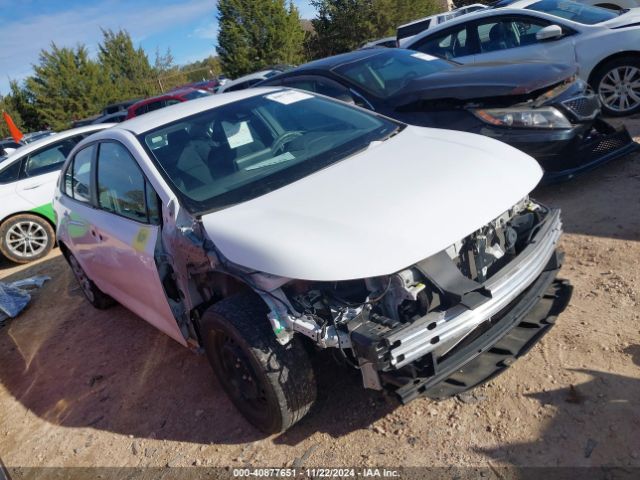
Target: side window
(451, 44)
(11, 173)
(505, 33)
(122, 189)
(171, 101)
(155, 105)
(527, 29)
(77, 178)
(49, 159)
(141, 110)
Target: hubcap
(619, 90)
(26, 239)
(82, 278)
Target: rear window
(195, 94)
(11, 173)
(413, 28)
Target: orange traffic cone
(15, 131)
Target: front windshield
(576, 12)
(386, 73)
(241, 150)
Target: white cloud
(22, 40)
(208, 31)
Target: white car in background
(248, 81)
(605, 44)
(27, 181)
(252, 222)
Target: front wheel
(25, 238)
(272, 385)
(617, 83)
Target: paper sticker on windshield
(424, 56)
(237, 134)
(288, 97)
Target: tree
(344, 25)
(164, 63)
(128, 71)
(340, 26)
(66, 86)
(257, 33)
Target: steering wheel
(285, 138)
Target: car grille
(583, 108)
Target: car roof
(170, 94)
(43, 142)
(329, 63)
(518, 7)
(163, 116)
(260, 75)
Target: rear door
(512, 38)
(40, 172)
(126, 226)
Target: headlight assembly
(545, 117)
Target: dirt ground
(80, 387)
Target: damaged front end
(483, 301)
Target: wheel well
(631, 53)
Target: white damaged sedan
(249, 223)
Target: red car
(161, 101)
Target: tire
(272, 385)
(92, 293)
(25, 238)
(613, 88)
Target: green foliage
(257, 33)
(344, 25)
(203, 69)
(128, 71)
(67, 85)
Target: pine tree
(129, 73)
(344, 25)
(341, 26)
(66, 86)
(257, 33)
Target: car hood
(483, 80)
(628, 19)
(377, 211)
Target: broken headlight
(546, 117)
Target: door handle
(31, 187)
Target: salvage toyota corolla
(248, 223)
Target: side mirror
(549, 33)
(346, 97)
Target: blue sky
(26, 26)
